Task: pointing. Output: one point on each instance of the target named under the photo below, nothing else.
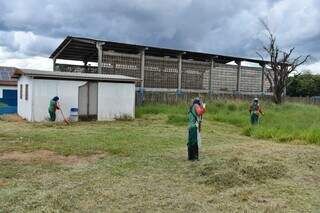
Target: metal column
(54, 64)
(85, 63)
(99, 47)
(238, 76)
(179, 73)
(263, 67)
(142, 55)
(210, 76)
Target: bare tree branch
(281, 65)
(260, 56)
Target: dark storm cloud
(227, 27)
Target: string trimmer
(64, 118)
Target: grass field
(291, 122)
(140, 165)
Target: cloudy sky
(31, 30)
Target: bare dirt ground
(11, 118)
(48, 156)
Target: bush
(232, 107)
(247, 131)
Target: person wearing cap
(255, 111)
(53, 107)
(197, 109)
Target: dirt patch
(228, 173)
(12, 118)
(49, 156)
(2, 183)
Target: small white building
(97, 96)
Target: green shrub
(232, 107)
(311, 136)
(247, 131)
(219, 104)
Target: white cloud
(27, 43)
(40, 63)
(293, 21)
(314, 68)
(26, 50)
(31, 29)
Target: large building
(161, 69)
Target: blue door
(9, 98)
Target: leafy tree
(304, 85)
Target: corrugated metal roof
(73, 76)
(84, 49)
(8, 83)
(5, 73)
(5, 76)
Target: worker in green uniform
(255, 111)
(53, 107)
(195, 113)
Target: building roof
(73, 76)
(84, 49)
(8, 83)
(5, 76)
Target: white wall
(6, 88)
(45, 90)
(25, 106)
(115, 100)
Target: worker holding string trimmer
(53, 107)
(255, 111)
(195, 116)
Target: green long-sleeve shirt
(192, 127)
(192, 117)
(53, 106)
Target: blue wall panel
(9, 97)
(8, 110)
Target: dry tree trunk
(281, 65)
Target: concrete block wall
(162, 73)
(195, 75)
(224, 78)
(75, 68)
(250, 79)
